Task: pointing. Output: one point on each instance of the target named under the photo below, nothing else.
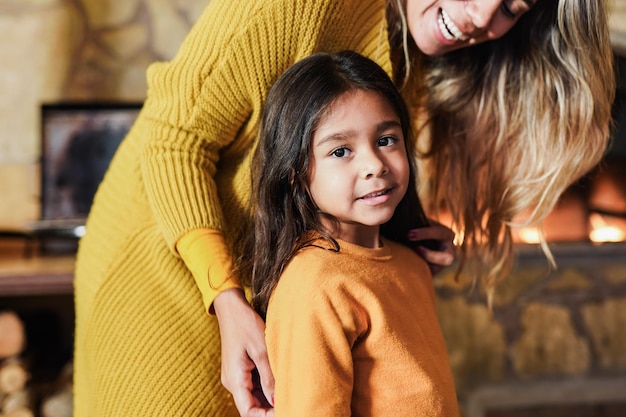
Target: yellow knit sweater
(144, 344)
(355, 333)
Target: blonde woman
(513, 102)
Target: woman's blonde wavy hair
(511, 123)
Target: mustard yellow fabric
(355, 333)
(207, 256)
(144, 344)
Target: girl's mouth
(376, 198)
(448, 29)
(376, 194)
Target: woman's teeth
(448, 28)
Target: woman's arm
(198, 105)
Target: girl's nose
(481, 12)
(373, 166)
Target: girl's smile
(377, 197)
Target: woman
(514, 101)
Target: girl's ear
(292, 177)
(293, 181)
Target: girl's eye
(340, 152)
(387, 141)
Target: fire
(529, 235)
(602, 231)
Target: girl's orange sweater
(355, 333)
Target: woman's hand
(244, 355)
(439, 255)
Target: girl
(351, 322)
(513, 99)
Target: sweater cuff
(207, 256)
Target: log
(13, 377)
(20, 412)
(12, 334)
(15, 401)
(58, 405)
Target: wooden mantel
(23, 273)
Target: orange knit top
(355, 333)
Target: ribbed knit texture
(355, 334)
(144, 343)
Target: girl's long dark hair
(282, 207)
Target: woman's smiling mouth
(449, 30)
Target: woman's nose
(481, 12)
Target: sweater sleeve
(310, 331)
(195, 108)
(206, 254)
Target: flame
(601, 231)
(530, 235)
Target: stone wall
(548, 329)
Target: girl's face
(359, 168)
(440, 26)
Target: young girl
(350, 312)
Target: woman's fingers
(435, 243)
(263, 380)
(243, 351)
(436, 231)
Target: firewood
(15, 401)
(58, 405)
(13, 377)
(12, 334)
(20, 412)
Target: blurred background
(554, 343)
